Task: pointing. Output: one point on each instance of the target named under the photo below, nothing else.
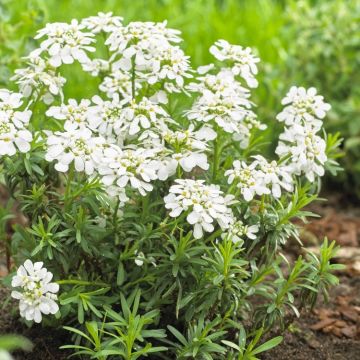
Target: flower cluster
(238, 230)
(242, 59)
(76, 146)
(38, 294)
(303, 116)
(150, 50)
(13, 123)
(203, 204)
(105, 22)
(303, 106)
(224, 103)
(260, 177)
(65, 43)
(39, 78)
(187, 150)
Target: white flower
(11, 136)
(204, 204)
(140, 37)
(245, 127)
(141, 258)
(149, 48)
(274, 176)
(102, 22)
(247, 179)
(237, 230)
(142, 115)
(306, 149)
(37, 77)
(171, 64)
(9, 102)
(303, 106)
(13, 132)
(223, 84)
(225, 112)
(96, 66)
(201, 70)
(187, 149)
(38, 293)
(75, 145)
(244, 62)
(118, 82)
(105, 117)
(65, 43)
(135, 167)
(74, 114)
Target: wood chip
(349, 331)
(350, 314)
(322, 324)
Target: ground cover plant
(155, 220)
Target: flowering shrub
(151, 204)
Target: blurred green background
(303, 42)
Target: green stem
(133, 77)
(145, 205)
(115, 215)
(216, 159)
(68, 198)
(179, 172)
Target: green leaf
(268, 345)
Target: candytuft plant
(155, 222)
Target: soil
(301, 342)
(330, 332)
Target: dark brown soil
(302, 343)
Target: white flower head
(120, 82)
(106, 118)
(65, 43)
(9, 113)
(238, 230)
(247, 179)
(223, 84)
(96, 66)
(142, 115)
(170, 64)
(225, 112)
(74, 114)
(242, 59)
(306, 149)
(38, 294)
(77, 146)
(274, 176)
(12, 138)
(187, 149)
(245, 129)
(204, 204)
(105, 22)
(13, 122)
(121, 167)
(39, 77)
(302, 106)
(138, 38)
